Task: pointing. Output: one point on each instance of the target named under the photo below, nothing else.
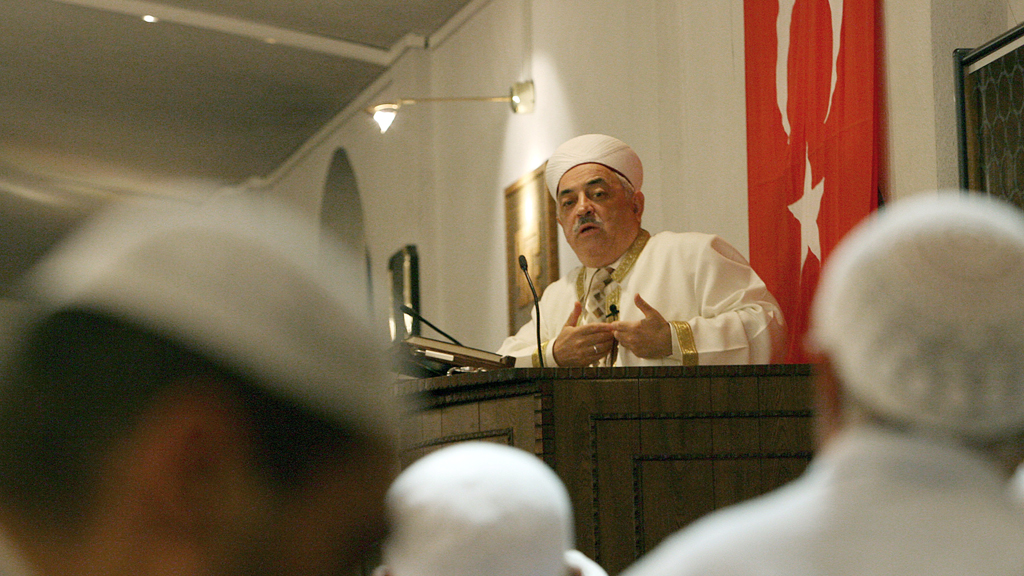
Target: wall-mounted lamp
(520, 97)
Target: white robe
(873, 502)
(721, 311)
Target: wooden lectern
(642, 451)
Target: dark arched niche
(341, 213)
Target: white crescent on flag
(782, 25)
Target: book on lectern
(428, 357)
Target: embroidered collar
(625, 264)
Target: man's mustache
(586, 219)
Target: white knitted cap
(920, 310)
(477, 508)
(581, 565)
(255, 287)
(596, 149)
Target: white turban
(593, 149)
(920, 311)
(254, 287)
(476, 508)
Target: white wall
(919, 41)
(910, 103)
(666, 76)
(473, 162)
(951, 30)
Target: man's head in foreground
(481, 508)
(918, 318)
(195, 396)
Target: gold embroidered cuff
(686, 343)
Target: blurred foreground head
(478, 508)
(919, 314)
(200, 389)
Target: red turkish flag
(813, 139)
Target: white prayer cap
(919, 309)
(240, 283)
(596, 149)
(477, 508)
(580, 565)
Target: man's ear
(638, 204)
(828, 400)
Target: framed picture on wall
(990, 116)
(531, 230)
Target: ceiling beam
(254, 30)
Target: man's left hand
(647, 338)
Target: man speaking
(640, 300)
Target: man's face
(600, 220)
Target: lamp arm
(521, 97)
(455, 99)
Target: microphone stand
(536, 306)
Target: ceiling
(97, 103)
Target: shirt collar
(622, 266)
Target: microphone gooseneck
(417, 316)
(536, 306)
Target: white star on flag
(806, 212)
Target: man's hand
(647, 338)
(582, 345)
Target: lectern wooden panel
(643, 451)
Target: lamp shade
(384, 115)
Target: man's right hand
(582, 345)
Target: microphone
(417, 316)
(613, 315)
(536, 305)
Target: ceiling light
(520, 98)
(384, 115)
(150, 18)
